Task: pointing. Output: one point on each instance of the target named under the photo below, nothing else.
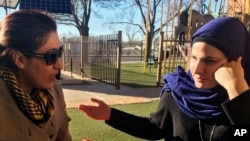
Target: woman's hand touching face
(205, 61)
(231, 76)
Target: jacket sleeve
(142, 127)
(237, 109)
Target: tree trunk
(84, 31)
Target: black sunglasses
(50, 57)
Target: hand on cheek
(231, 76)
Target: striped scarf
(37, 106)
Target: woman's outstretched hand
(98, 110)
(231, 76)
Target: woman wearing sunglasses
(207, 103)
(32, 105)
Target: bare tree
(141, 7)
(130, 32)
(82, 11)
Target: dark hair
(23, 30)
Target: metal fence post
(118, 66)
(64, 48)
(159, 67)
(81, 56)
(71, 66)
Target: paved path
(79, 90)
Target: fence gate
(97, 57)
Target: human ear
(18, 59)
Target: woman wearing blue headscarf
(203, 104)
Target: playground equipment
(179, 43)
(176, 37)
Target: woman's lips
(52, 77)
(200, 79)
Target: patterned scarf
(37, 106)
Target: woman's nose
(198, 67)
(59, 63)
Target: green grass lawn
(83, 127)
(137, 76)
(132, 74)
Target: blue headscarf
(231, 37)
